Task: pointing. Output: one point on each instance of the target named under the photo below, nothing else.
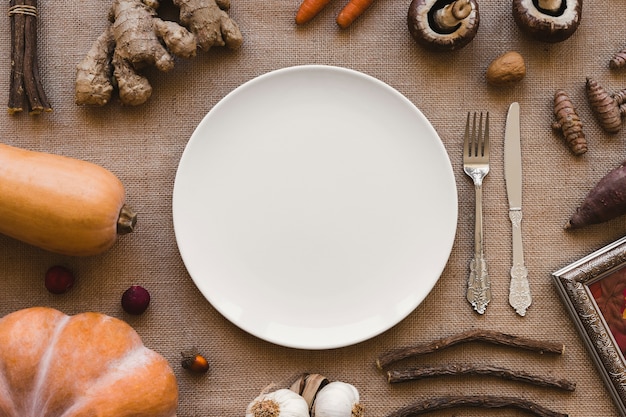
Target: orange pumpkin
(85, 365)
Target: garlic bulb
(337, 399)
(283, 403)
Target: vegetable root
(352, 11)
(568, 123)
(137, 38)
(619, 60)
(607, 108)
(309, 9)
(605, 201)
(208, 20)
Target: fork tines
(478, 141)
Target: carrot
(309, 9)
(351, 11)
(605, 201)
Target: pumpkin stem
(126, 220)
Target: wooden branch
(483, 401)
(413, 374)
(38, 102)
(26, 89)
(17, 98)
(479, 335)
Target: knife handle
(519, 290)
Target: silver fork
(476, 166)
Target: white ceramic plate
(315, 207)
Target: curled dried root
(568, 123)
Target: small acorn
(193, 361)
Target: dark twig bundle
(26, 90)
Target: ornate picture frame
(593, 290)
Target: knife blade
(519, 289)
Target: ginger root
(210, 23)
(136, 38)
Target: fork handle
(519, 291)
(478, 284)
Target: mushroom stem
(550, 5)
(449, 16)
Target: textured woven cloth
(143, 145)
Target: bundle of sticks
(26, 90)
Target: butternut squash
(61, 204)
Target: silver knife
(519, 290)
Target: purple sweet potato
(605, 201)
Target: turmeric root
(136, 38)
(568, 123)
(619, 60)
(605, 201)
(607, 108)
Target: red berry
(59, 279)
(135, 300)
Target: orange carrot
(309, 9)
(351, 11)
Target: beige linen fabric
(143, 145)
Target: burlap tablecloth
(143, 145)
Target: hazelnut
(509, 68)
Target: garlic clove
(308, 385)
(337, 399)
(279, 403)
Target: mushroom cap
(420, 22)
(547, 26)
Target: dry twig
(484, 401)
(487, 336)
(26, 90)
(412, 374)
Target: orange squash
(85, 365)
(60, 204)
